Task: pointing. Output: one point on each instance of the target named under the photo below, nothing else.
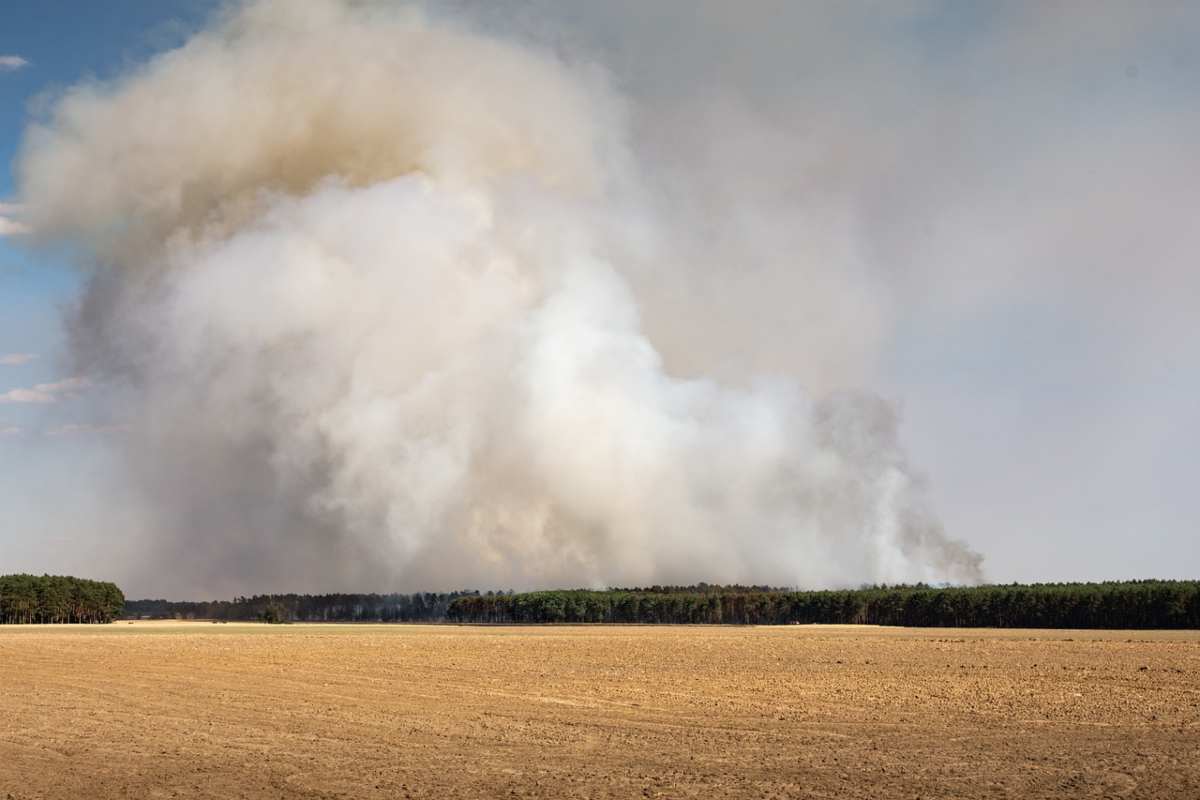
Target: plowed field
(198, 710)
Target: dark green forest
(1127, 604)
(57, 598)
(417, 607)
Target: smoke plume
(394, 302)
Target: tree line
(1116, 604)
(416, 607)
(57, 599)
(1126, 604)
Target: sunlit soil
(201, 710)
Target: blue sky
(48, 460)
(1028, 214)
(63, 42)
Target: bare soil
(199, 710)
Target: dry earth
(199, 710)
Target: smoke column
(393, 303)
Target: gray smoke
(392, 301)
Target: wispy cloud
(10, 430)
(11, 63)
(16, 359)
(45, 392)
(67, 385)
(10, 225)
(83, 428)
(27, 396)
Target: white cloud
(82, 428)
(65, 385)
(10, 430)
(26, 396)
(12, 63)
(16, 359)
(10, 224)
(45, 392)
(10, 227)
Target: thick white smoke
(395, 304)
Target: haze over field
(383, 297)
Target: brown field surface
(198, 710)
